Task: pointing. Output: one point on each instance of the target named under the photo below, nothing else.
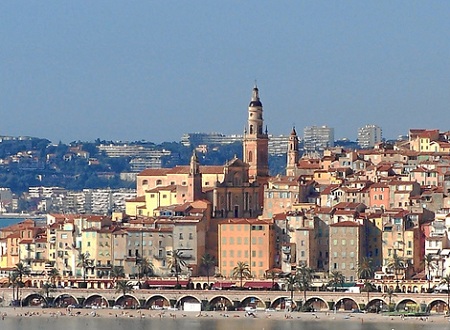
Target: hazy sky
(153, 70)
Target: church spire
(255, 144)
(292, 154)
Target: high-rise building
(318, 138)
(369, 135)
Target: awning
(223, 285)
(165, 283)
(259, 285)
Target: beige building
(346, 248)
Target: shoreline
(34, 312)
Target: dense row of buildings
(328, 212)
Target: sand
(21, 312)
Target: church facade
(236, 189)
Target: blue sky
(153, 70)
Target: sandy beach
(27, 312)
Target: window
(181, 236)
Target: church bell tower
(256, 141)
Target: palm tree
(291, 282)
(272, 274)
(389, 294)
(176, 263)
(123, 287)
(446, 281)
(397, 264)
(117, 272)
(241, 270)
(368, 286)
(21, 270)
(85, 263)
(53, 274)
(429, 263)
(13, 279)
(305, 277)
(207, 262)
(146, 267)
(47, 288)
(336, 279)
(366, 272)
(365, 268)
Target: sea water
(120, 323)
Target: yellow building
(97, 244)
(11, 237)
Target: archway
(377, 306)
(437, 307)
(157, 302)
(220, 303)
(346, 304)
(407, 306)
(65, 300)
(254, 302)
(95, 300)
(198, 286)
(187, 299)
(315, 304)
(34, 300)
(279, 303)
(128, 302)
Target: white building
(318, 138)
(369, 136)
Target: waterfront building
(245, 240)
